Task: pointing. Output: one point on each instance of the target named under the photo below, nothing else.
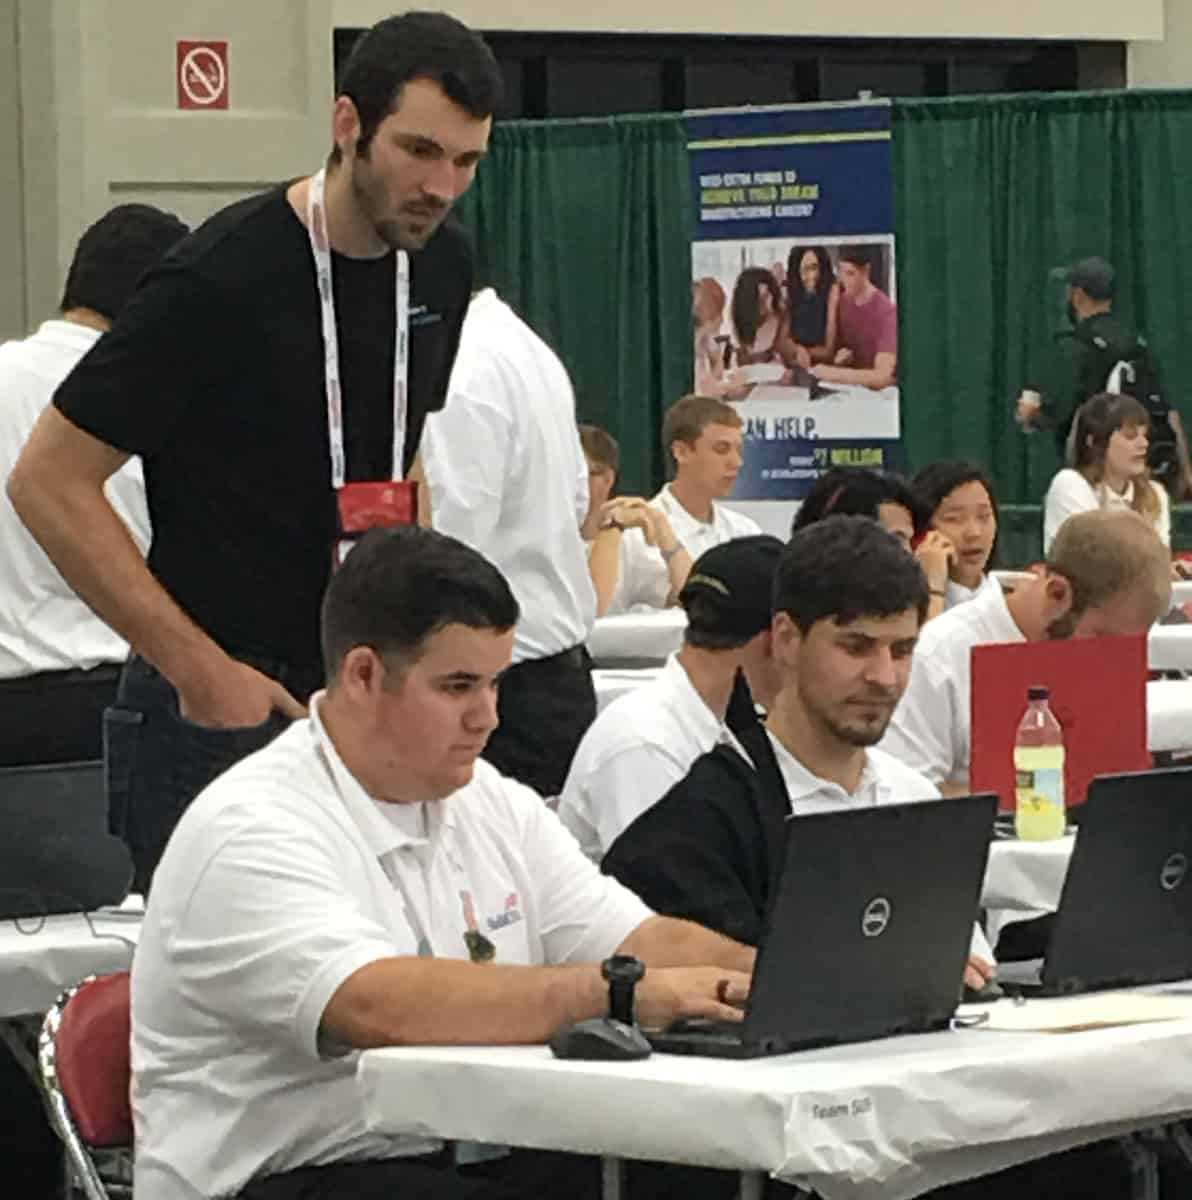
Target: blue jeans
(156, 762)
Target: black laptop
(867, 934)
(56, 854)
(1125, 913)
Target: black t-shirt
(213, 374)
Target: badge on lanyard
(372, 504)
(480, 948)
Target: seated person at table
(1106, 573)
(848, 605)
(704, 444)
(889, 500)
(624, 581)
(326, 894)
(867, 327)
(1109, 442)
(962, 512)
(644, 742)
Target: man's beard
(850, 734)
(395, 233)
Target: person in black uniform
(1094, 341)
(257, 372)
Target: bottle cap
(1037, 693)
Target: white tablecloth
(1169, 714)
(888, 1119)
(648, 636)
(1169, 648)
(41, 956)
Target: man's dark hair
(859, 255)
(600, 446)
(417, 45)
(938, 480)
(843, 568)
(113, 255)
(399, 586)
(860, 492)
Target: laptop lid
(1100, 738)
(56, 854)
(869, 929)
(1125, 914)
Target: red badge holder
(360, 507)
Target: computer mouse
(989, 991)
(600, 1038)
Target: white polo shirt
(508, 476)
(698, 536)
(957, 593)
(883, 781)
(1070, 493)
(931, 729)
(44, 626)
(281, 880)
(644, 577)
(635, 751)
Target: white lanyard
(320, 247)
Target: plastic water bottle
(1039, 771)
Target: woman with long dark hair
(757, 315)
(1109, 445)
(813, 295)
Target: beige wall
(12, 207)
(1069, 19)
(1167, 63)
(100, 123)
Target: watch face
(622, 968)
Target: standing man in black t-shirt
(255, 372)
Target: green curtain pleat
(584, 227)
(991, 193)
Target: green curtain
(991, 193)
(584, 227)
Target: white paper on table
(1073, 1014)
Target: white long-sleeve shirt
(508, 477)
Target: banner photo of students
(794, 288)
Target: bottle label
(1045, 785)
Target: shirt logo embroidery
(510, 916)
(421, 315)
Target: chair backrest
(84, 1056)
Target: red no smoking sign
(202, 70)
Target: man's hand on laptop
(978, 972)
(667, 993)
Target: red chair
(83, 1056)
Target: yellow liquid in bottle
(1039, 793)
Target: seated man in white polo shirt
(326, 894)
(643, 743)
(849, 602)
(703, 440)
(1106, 572)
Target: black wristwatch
(622, 972)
